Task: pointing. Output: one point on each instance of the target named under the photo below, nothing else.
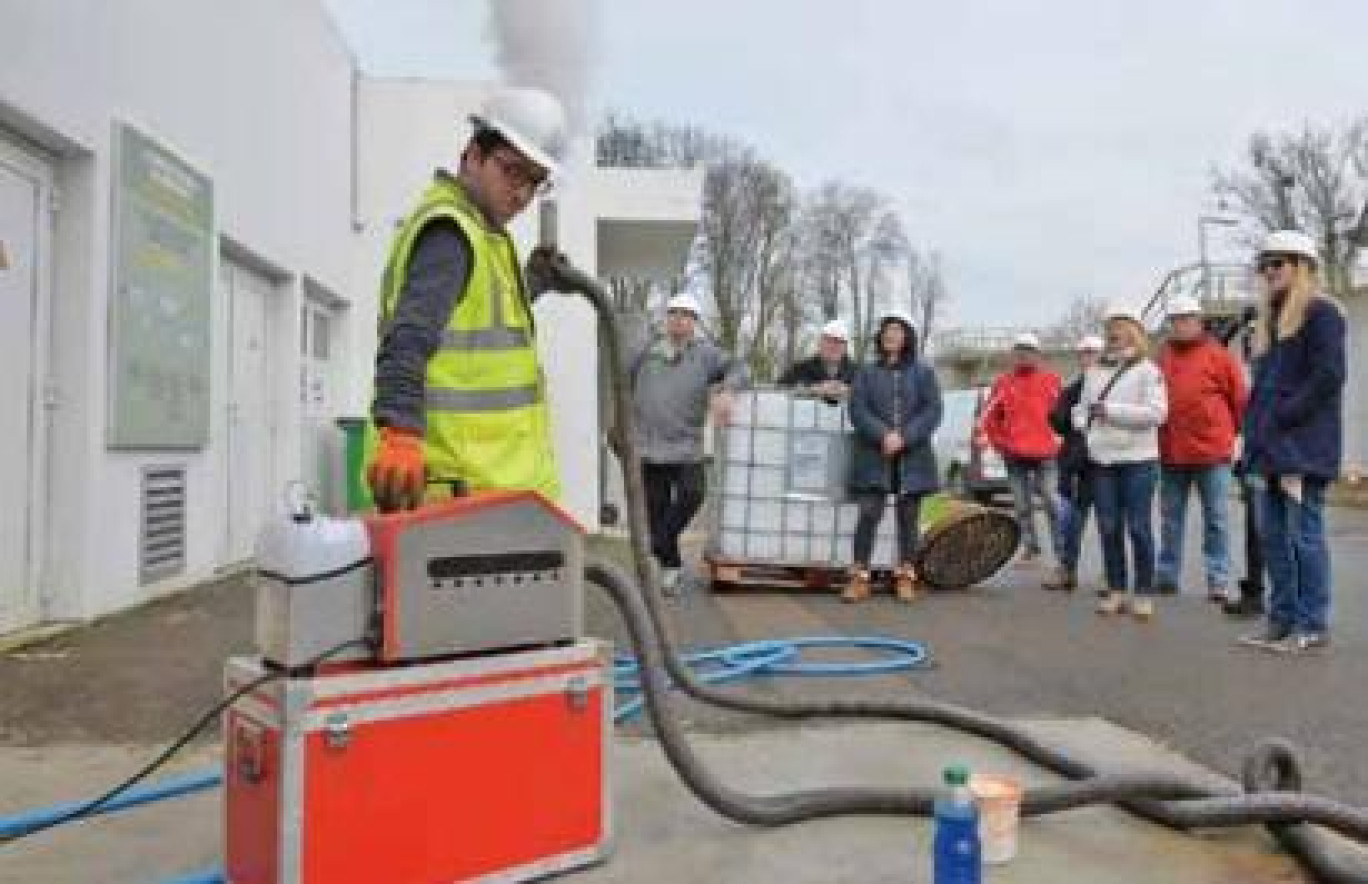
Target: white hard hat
(1290, 242)
(1116, 311)
(1183, 305)
(686, 302)
(836, 329)
(1026, 341)
(532, 120)
(1090, 344)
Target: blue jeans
(1297, 557)
(1029, 478)
(1073, 518)
(1213, 491)
(1123, 495)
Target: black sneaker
(1269, 639)
(1248, 606)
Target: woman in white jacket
(1120, 410)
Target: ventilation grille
(161, 551)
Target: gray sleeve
(437, 271)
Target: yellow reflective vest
(485, 398)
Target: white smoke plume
(549, 44)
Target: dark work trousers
(1253, 584)
(871, 510)
(674, 492)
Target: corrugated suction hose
(1272, 775)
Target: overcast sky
(1048, 150)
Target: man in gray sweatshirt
(676, 380)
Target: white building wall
(257, 94)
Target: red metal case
(491, 768)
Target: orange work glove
(396, 476)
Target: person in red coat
(1016, 422)
(1207, 398)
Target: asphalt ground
(1006, 647)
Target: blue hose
(171, 787)
(203, 876)
(773, 657)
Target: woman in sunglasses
(1294, 438)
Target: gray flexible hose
(1271, 773)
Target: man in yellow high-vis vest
(459, 393)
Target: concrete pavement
(665, 835)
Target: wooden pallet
(726, 574)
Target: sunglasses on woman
(1273, 263)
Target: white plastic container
(315, 588)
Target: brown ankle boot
(857, 586)
(905, 583)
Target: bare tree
(1315, 180)
(927, 294)
(625, 142)
(775, 264)
(853, 236)
(1084, 316)
(748, 207)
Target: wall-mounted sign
(160, 319)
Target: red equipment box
(491, 768)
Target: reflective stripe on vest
(483, 400)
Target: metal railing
(977, 340)
(1222, 290)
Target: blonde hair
(1139, 338)
(1292, 314)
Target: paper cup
(999, 805)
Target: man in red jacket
(1207, 396)
(1016, 421)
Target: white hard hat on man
(685, 303)
(1182, 305)
(837, 330)
(531, 120)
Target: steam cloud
(548, 44)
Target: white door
(23, 195)
(320, 458)
(251, 421)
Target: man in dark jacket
(1294, 439)
(1075, 493)
(830, 373)
(1249, 602)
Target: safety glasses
(519, 174)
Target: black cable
(166, 754)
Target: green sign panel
(160, 319)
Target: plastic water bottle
(958, 858)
